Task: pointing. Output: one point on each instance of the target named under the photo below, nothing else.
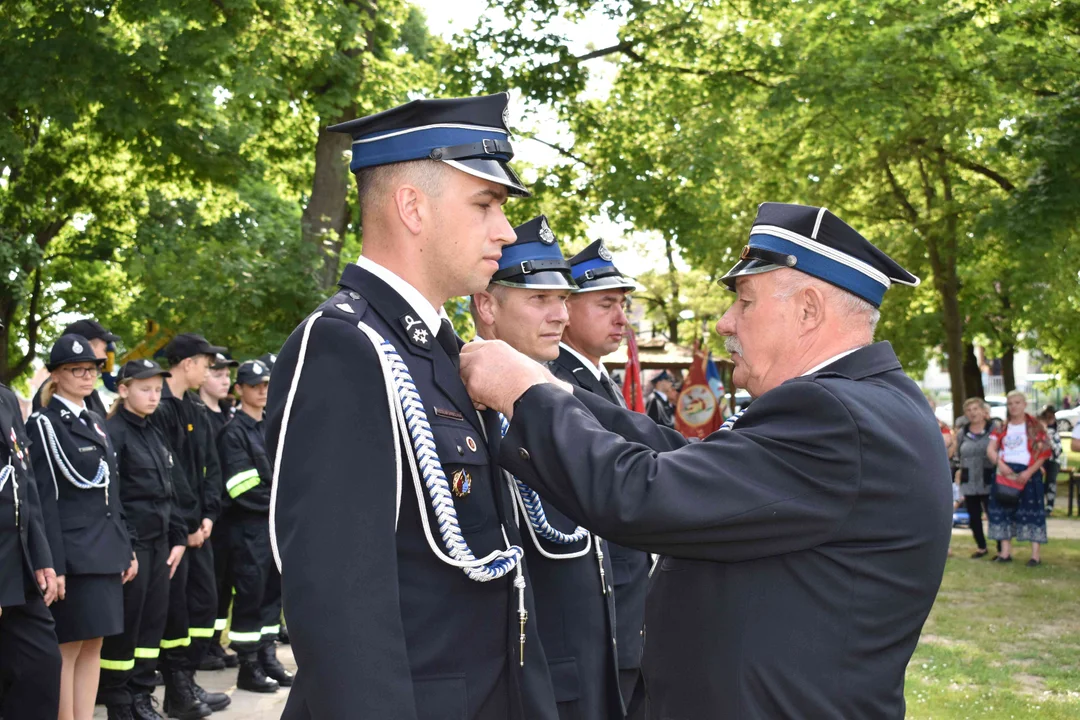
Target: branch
(33, 324)
(975, 167)
(899, 194)
(560, 150)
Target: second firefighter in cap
(248, 473)
(401, 562)
(525, 306)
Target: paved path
(245, 705)
(1057, 528)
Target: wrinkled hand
(173, 561)
(206, 528)
(131, 572)
(496, 374)
(46, 580)
(196, 539)
(61, 587)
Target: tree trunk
(972, 375)
(673, 287)
(1008, 370)
(326, 216)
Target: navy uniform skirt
(93, 607)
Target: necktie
(616, 397)
(85, 417)
(448, 340)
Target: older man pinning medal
(803, 545)
(401, 563)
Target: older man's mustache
(732, 345)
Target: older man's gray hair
(858, 312)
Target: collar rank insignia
(416, 331)
(462, 484)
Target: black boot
(229, 657)
(159, 679)
(180, 700)
(118, 712)
(214, 700)
(283, 635)
(273, 667)
(144, 706)
(212, 660)
(251, 676)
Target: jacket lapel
(582, 375)
(75, 425)
(391, 307)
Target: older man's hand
(496, 374)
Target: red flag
(631, 386)
(696, 411)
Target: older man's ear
(811, 308)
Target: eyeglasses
(83, 372)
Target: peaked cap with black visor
(594, 269)
(469, 134)
(814, 241)
(534, 260)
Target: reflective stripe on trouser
(176, 635)
(251, 559)
(145, 607)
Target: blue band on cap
(580, 269)
(824, 268)
(516, 254)
(396, 146)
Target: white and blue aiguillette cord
(8, 473)
(53, 450)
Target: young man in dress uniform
(597, 322)
(246, 467)
(659, 406)
(29, 654)
(525, 306)
(189, 627)
(100, 339)
(394, 530)
(803, 544)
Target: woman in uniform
(144, 463)
(75, 469)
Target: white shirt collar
(597, 371)
(76, 409)
(408, 293)
(831, 360)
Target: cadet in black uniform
(256, 615)
(189, 627)
(525, 306)
(596, 328)
(214, 393)
(29, 656)
(75, 469)
(144, 464)
(659, 406)
(804, 542)
(100, 340)
(402, 581)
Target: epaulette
(347, 305)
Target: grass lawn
(1002, 641)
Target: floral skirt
(1027, 521)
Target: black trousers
(976, 505)
(29, 661)
(633, 692)
(146, 604)
(189, 626)
(223, 576)
(256, 610)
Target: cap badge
(462, 483)
(506, 115)
(76, 347)
(546, 236)
(604, 253)
(745, 252)
(147, 363)
(257, 369)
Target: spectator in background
(1066, 403)
(947, 435)
(975, 472)
(1053, 465)
(659, 406)
(1018, 451)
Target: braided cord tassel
(8, 473)
(730, 422)
(535, 509)
(101, 479)
(427, 458)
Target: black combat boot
(144, 706)
(252, 677)
(214, 700)
(272, 666)
(118, 712)
(180, 700)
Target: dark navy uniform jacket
(630, 567)
(380, 627)
(23, 547)
(802, 550)
(87, 535)
(145, 479)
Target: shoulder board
(345, 305)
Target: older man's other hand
(496, 374)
